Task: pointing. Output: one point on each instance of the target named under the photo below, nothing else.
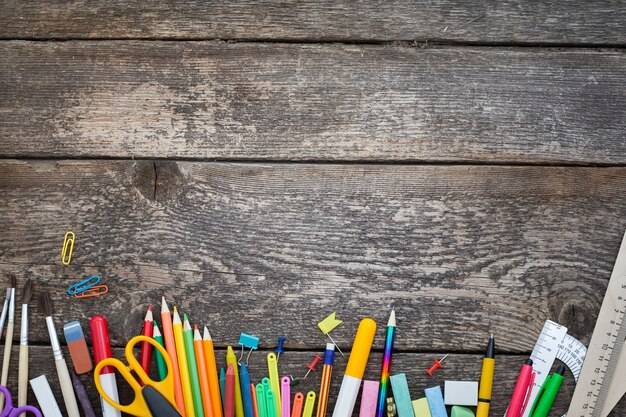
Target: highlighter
(547, 394)
(355, 368)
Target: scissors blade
(158, 405)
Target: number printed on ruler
(600, 379)
(543, 356)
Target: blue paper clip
(247, 341)
(83, 285)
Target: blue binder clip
(247, 341)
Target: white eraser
(461, 392)
(45, 397)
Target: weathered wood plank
(211, 100)
(457, 367)
(459, 251)
(587, 22)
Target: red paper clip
(95, 291)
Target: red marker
(229, 407)
(102, 350)
(522, 390)
(146, 348)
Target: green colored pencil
(160, 360)
(193, 368)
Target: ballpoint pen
(547, 393)
(486, 380)
(519, 400)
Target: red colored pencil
(229, 407)
(146, 348)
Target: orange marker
(170, 346)
(298, 401)
(211, 370)
(204, 377)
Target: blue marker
(246, 395)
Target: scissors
(9, 411)
(154, 398)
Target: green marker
(161, 366)
(547, 394)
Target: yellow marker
(329, 324)
(179, 341)
(231, 359)
(355, 368)
(420, 407)
(272, 367)
(308, 405)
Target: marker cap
(361, 348)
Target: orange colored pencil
(170, 346)
(211, 370)
(204, 377)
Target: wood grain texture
(457, 366)
(459, 251)
(507, 21)
(212, 100)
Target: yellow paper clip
(68, 247)
(95, 291)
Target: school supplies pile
(188, 384)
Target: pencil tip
(392, 318)
(206, 335)
(164, 308)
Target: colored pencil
(246, 395)
(202, 375)
(161, 365)
(229, 406)
(196, 391)
(170, 346)
(384, 373)
(211, 369)
(146, 348)
(231, 359)
(223, 385)
(327, 372)
(183, 365)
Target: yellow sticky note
(420, 408)
(329, 323)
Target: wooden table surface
(263, 165)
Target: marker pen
(355, 368)
(102, 350)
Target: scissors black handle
(159, 406)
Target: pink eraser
(369, 398)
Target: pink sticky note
(369, 398)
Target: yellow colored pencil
(211, 369)
(179, 339)
(231, 359)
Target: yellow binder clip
(68, 247)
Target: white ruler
(543, 356)
(601, 378)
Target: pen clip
(542, 390)
(528, 392)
